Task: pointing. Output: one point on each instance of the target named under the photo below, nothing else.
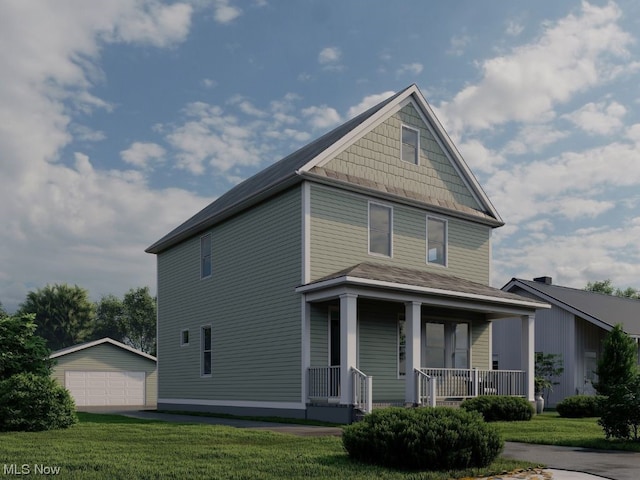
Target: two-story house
(352, 272)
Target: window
(434, 351)
(436, 241)
(402, 346)
(184, 338)
(410, 145)
(495, 364)
(206, 350)
(205, 256)
(380, 229)
(461, 342)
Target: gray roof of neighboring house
(275, 177)
(433, 282)
(604, 310)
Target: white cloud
(533, 138)
(139, 154)
(457, 45)
(575, 259)
(368, 102)
(64, 219)
(599, 118)
(209, 83)
(329, 55)
(410, 68)
(224, 12)
(321, 117)
(578, 51)
(479, 157)
(514, 28)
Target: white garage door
(106, 388)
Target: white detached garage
(106, 372)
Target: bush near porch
(499, 408)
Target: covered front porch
(372, 338)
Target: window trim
(182, 342)
(202, 257)
(390, 207)
(445, 244)
(203, 351)
(417, 155)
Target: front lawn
(551, 429)
(116, 447)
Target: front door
(590, 377)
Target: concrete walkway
(563, 463)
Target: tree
(131, 320)
(605, 286)
(3, 312)
(63, 314)
(109, 319)
(140, 317)
(618, 363)
(22, 351)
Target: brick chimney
(545, 280)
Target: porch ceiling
(407, 284)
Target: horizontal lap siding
(339, 237)
(108, 358)
(249, 302)
(378, 348)
(320, 334)
(480, 345)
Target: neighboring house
(107, 373)
(574, 327)
(348, 273)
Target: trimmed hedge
(499, 408)
(30, 402)
(423, 439)
(580, 406)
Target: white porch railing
(463, 383)
(324, 382)
(362, 390)
(425, 388)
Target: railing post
(418, 383)
(432, 391)
(369, 381)
(475, 382)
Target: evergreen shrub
(498, 408)
(580, 406)
(30, 402)
(423, 439)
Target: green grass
(117, 447)
(551, 429)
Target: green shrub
(620, 412)
(30, 402)
(579, 406)
(500, 408)
(423, 439)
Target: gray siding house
(352, 272)
(574, 328)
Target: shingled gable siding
(339, 237)
(249, 301)
(376, 157)
(108, 358)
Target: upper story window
(380, 229)
(436, 241)
(205, 256)
(410, 145)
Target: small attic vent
(545, 280)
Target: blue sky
(120, 119)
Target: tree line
(65, 316)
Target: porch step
(377, 405)
(448, 403)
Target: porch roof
(414, 282)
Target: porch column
(348, 322)
(412, 340)
(528, 352)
